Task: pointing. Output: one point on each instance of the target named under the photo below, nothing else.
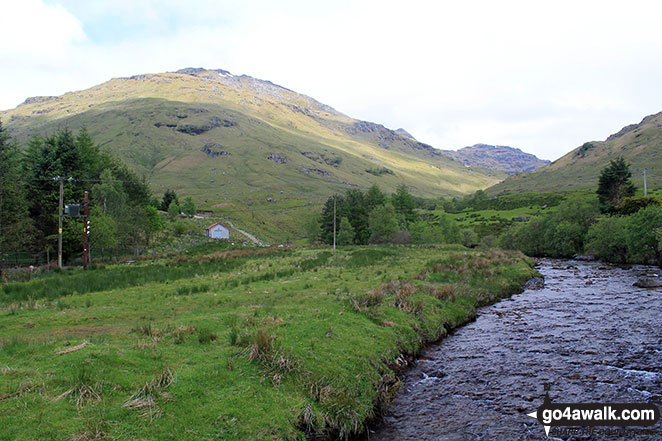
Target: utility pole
(86, 226)
(334, 224)
(645, 187)
(59, 224)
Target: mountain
(498, 157)
(640, 144)
(244, 148)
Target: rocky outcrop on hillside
(498, 157)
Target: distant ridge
(497, 157)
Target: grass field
(233, 344)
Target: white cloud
(544, 77)
(31, 28)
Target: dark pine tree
(15, 225)
(168, 197)
(404, 205)
(356, 211)
(614, 185)
(326, 235)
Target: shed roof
(217, 223)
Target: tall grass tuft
(206, 336)
(83, 388)
(144, 399)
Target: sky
(541, 76)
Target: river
(588, 334)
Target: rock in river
(646, 282)
(535, 283)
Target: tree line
(122, 211)
(372, 217)
(616, 226)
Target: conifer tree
(614, 185)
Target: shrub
(632, 205)
(607, 239)
(401, 238)
(643, 242)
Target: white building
(218, 231)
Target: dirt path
(252, 238)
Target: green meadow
(232, 344)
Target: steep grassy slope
(640, 144)
(498, 157)
(242, 147)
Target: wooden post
(334, 224)
(645, 187)
(86, 224)
(59, 225)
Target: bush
(401, 238)
(633, 205)
(642, 239)
(607, 239)
(558, 234)
(469, 238)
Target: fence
(24, 258)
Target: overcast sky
(541, 76)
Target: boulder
(586, 258)
(535, 283)
(647, 282)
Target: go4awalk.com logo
(622, 415)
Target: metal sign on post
(72, 210)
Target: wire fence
(24, 258)
(21, 259)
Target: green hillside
(246, 149)
(640, 144)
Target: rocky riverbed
(589, 334)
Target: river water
(589, 334)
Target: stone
(646, 282)
(535, 283)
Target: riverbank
(589, 334)
(279, 344)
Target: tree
(173, 209)
(154, 222)
(374, 197)
(312, 228)
(327, 217)
(109, 195)
(383, 224)
(168, 197)
(188, 207)
(614, 185)
(15, 225)
(103, 231)
(404, 205)
(356, 211)
(58, 155)
(423, 232)
(345, 233)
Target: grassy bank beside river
(246, 344)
